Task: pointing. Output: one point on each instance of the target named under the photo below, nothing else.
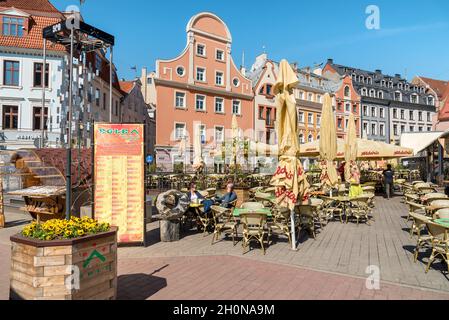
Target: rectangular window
(11, 71)
(261, 112)
(301, 117)
(395, 129)
(402, 115)
(402, 128)
(219, 78)
(97, 97)
(381, 112)
(420, 118)
(203, 133)
(310, 118)
(365, 127)
(104, 101)
(219, 105)
(414, 98)
(98, 63)
(348, 107)
(180, 129)
(200, 104)
(428, 117)
(420, 129)
(365, 111)
(200, 74)
(220, 55)
(310, 96)
(37, 118)
(339, 123)
(180, 100)
(219, 134)
(269, 89)
(411, 116)
(429, 129)
(412, 128)
(236, 107)
(397, 96)
(201, 50)
(10, 117)
(395, 113)
(373, 111)
(318, 120)
(13, 27)
(37, 79)
(382, 130)
(373, 129)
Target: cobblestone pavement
(331, 267)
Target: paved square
(331, 267)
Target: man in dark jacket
(388, 181)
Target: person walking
(388, 181)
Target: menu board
(119, 179)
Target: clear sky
(413, 38)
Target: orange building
(347, 102)
(201, 87)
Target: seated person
(193, 194)
(228, 198)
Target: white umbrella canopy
(328, 143)
(198, 162)
(289, 179)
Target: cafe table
(238, 211)
(442, 222)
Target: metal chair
(359, 209)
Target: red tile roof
(33, 38)
(43, 14)
(31, 5)
(439, 86)
(126, 86)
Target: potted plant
(72, 259)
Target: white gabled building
(21, 62)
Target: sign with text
(119, 179)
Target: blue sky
(413, 38)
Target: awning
(419, 141)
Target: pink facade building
(200, 87)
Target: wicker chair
(253, 229)
(419, 225)
(359, 209)
(440, 243)
(442, 214)
(414, 208)
(307, 218)
(223, 223)
(252, 205)
(280, 224)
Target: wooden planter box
(43, 270)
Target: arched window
(380, 95)
(310, 138)
(347, 92)
(301, 138)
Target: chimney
(330, 61)
(397, 75)
(378, 71)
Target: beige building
(148, 87)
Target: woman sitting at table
(195, 197)
(228, 198)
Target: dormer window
(13, 26)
